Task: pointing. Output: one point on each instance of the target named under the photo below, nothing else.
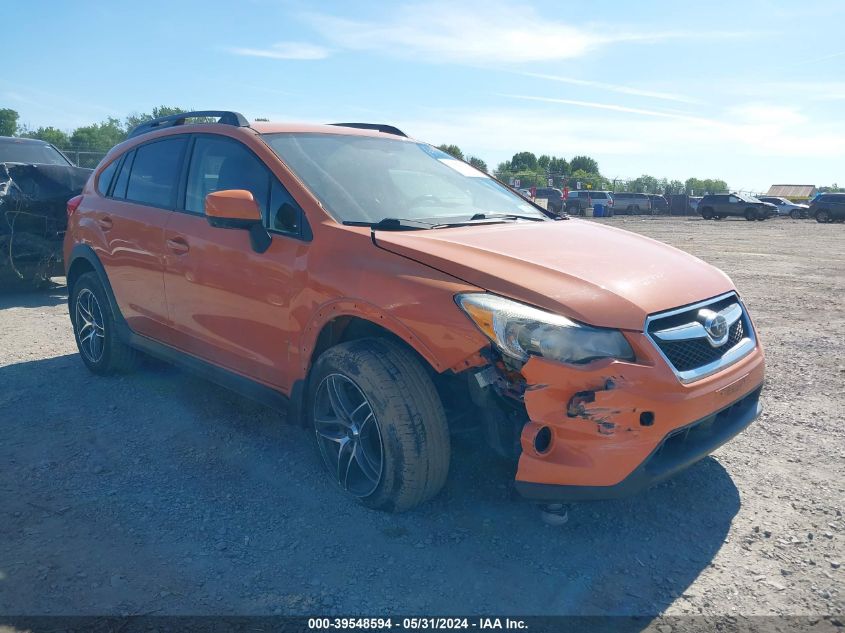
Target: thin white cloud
(471, 33)
(815, 60)
(608, 106)
(801, 90)
(629, 90)
(285, 50)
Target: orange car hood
(595, 274)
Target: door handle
(105, 222)
(178, 245)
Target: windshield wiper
(490, 218)
(392, 224)
(514, 216)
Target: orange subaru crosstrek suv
(388, 295)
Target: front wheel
(379, 424)
(750, 214)
(822, 216)
(795, 214)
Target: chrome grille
(703, 338)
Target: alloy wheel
(348, 435)
(90, 327)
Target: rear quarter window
(119, 189)
(105, 178)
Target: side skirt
(223, 377)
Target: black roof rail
(224, 117)
(379, 127)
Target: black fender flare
(85, 252)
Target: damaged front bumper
(612, 429)
(677, 451)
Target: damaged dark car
(36, 181)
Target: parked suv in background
(828, 207)
(554, 196)
(786, 207)
(388, 295)
(581, 199)
(631, 203)
(725, 205)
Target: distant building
(792, 191)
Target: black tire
(412, 426)
(750, 214)
(795, 214)
(115, 357)
(718, 217)
(822, 216)
(707, 213)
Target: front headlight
(519, 331)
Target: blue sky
(752, 92)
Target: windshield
(367, 179)
(35, 153)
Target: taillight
(73, 205)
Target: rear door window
(155, 173)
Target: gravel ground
(162, 493)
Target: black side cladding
(33, 218)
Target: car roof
(14, 140)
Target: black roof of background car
(16, 139)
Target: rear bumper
(677, 451)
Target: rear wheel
(718, 217)
(379, 424)
(707, 213)
(750, 214)
(822, 216)
(95, 331)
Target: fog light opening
(647, 418)
(543, 440)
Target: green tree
(524, 161)
(673, 187)
(584, 163)
(559, 166)
(477, 163)
(699, 187)
(644, 184)
(543, 161)
(52, 135)
(8, 122)
(452, 150)
(98, 136)
(588, 180)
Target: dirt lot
(159, 492)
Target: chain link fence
(83, 158)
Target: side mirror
(231, 209)
(237, 209)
